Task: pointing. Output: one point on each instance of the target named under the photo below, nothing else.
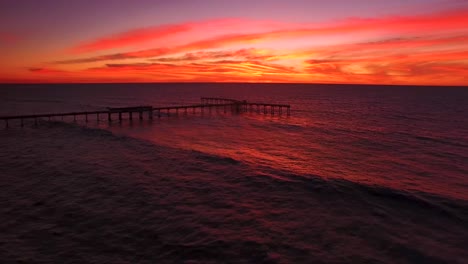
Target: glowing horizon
(408, 44)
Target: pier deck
(207, 103)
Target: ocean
(356, 174)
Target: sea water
(355, 174)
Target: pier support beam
(109, 118)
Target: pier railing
(209, 104)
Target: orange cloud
(442, 68)
(220, 66)
(214, 71)
(249, 54)
(375, 62)
(394, 46)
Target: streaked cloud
(402, 26)
(45, 70)
(250, 54)
(129, 38)
(163, 32)
(418, 49)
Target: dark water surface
(364, 174)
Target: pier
(208, 104)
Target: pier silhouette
(207, 104)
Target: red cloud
(205, 44)
(423, 24)
(130, 38)
(142, 35)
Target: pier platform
(207, 104)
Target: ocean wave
(439, 140)
(442, 204)
(216, 159)
(453, 208)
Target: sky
(415, 42)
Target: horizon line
(266, 83)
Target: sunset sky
(357, 41)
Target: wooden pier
(209, 104)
